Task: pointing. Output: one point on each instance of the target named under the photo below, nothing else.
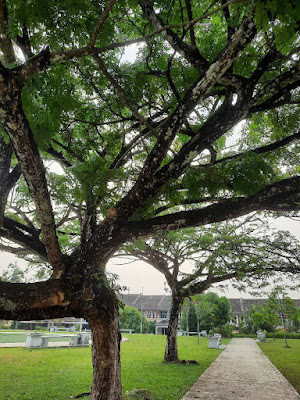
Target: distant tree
(280, 303)
(206, 311)
(13, 274)
(211, 310)
(130, 318)
(295, 320)
(188, 321)
(264, 318)
(241, 251)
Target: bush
(245, 335)
(270, 335)
(226, 330)
(38, 328)
(2, 326)
(280, 335)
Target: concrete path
(242, 372)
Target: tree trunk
(106, 337)
(187, 317)
(284, 333)
(171, 352)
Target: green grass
(59, 374)
(286, 360)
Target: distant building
(157, 308)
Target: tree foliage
(13, 274)
(130, 318)
(211, 310)
(259, 317)
(248, 252)
(143, 145)
(280, 303)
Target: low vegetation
(285, 359)
(61, 374)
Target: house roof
(148, 302)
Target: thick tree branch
(263, 149)
(281, 196)
(14, 231)
(278, 99)
(24, 43)
(189, 52)
(102, 19)
(5, 42)
(224, 119)
(58, 156)
(170, 126)
(31, 300)
(17, 126)
(15, 250)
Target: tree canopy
(143, 145)
(248, 252)
(137, 138)
(130, 318)
(211, 310)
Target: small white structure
(39, 341)
(261, 336)
(214, 341)
(83, 339)
(33, 340)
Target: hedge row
(277, 335)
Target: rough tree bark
(171, 351)
(106, 338)
(99, 305)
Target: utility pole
(141, 330)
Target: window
(163, 314)
(149, 314)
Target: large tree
(243, 252)
(135, 139)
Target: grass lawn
(286, 360)
(59, 374)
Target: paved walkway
(242, 372)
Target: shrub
(280, 335)
(226, 330)
(245, 335)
